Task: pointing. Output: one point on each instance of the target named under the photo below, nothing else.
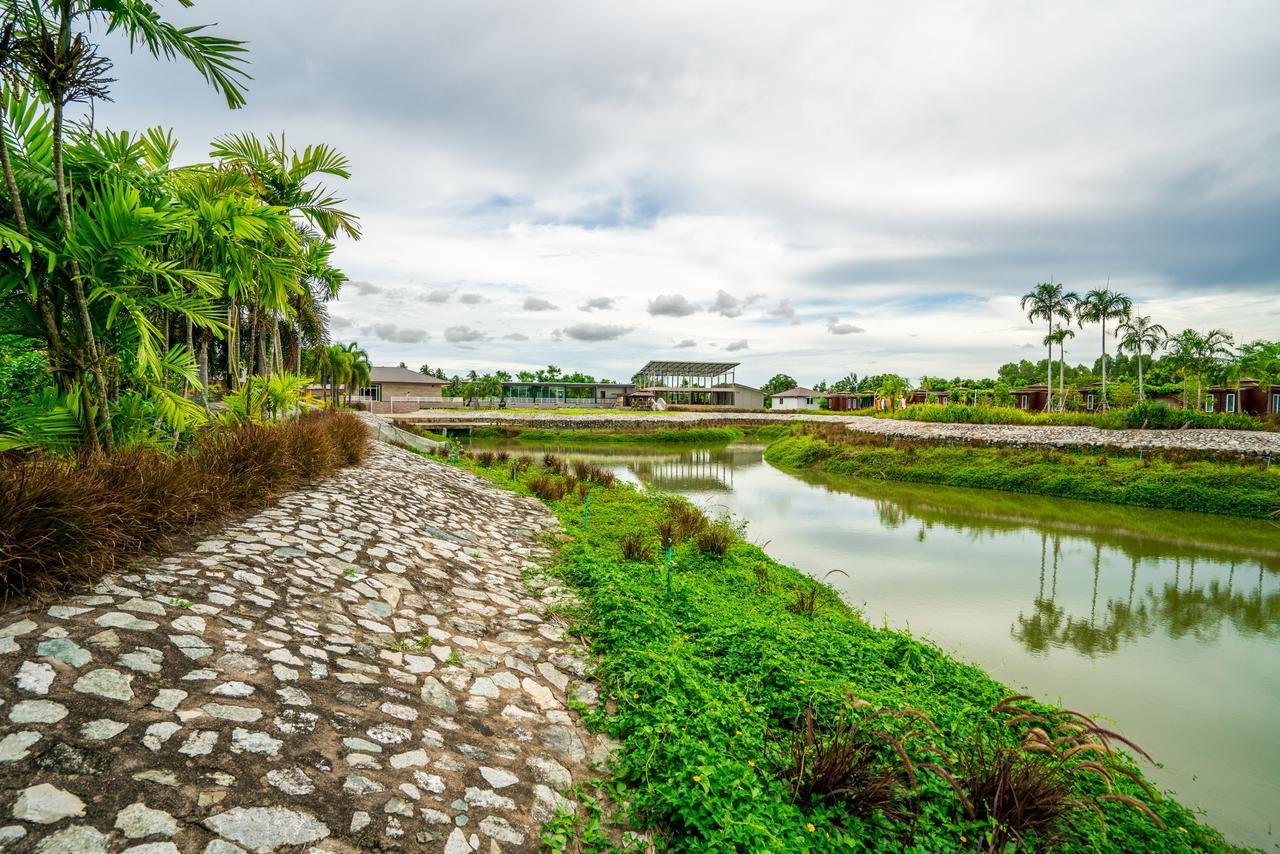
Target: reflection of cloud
(671, 305)
(596, 331)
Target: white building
(796, 398)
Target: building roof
(798, 391)
(401, 375)
(687, 369)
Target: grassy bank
(1149, 416)
(669, 436)
(1164, 480)
(66, 521)
(733, 696)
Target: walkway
(359, 666)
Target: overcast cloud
(746, 172)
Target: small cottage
(795, 398)
(1248, 396)
(1032, 398)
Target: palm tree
(1049, 302)
(1183, 349)
(359, 370)
(1059, 337)
(48, 49)
(1138, 333)
(1099, 306)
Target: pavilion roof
(687, 369)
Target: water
(1165, 624)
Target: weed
(454, 659)
(547, 487)
(484, 458)
(180, 603)
(716, 538)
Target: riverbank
(1156, 480)
(365, 664)
(1255, 444)
(707, 689)
(667, 436)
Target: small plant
(667, 533)
(553, 463)
(806, 603)
(762, 577)
(547, 487)
(716, 538)
(1030, 793)
(503, 456)
(180, 603)
(485, 458)
(636, 547)
(589, 472)
(688, 520)
(351, 572)
(454, 659)
(855, 762)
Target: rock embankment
(361, 666)
(1242, 442)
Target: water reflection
(1166, 623)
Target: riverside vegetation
(758, 712)
(1169, 480)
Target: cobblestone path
(360, 666)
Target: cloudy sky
(813, 188)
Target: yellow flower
(697, 778)
(635, 696)
(1183, 829)
(809, 827)
(751, 762)
(962, 838)
(737, 732)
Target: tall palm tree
(1099, 306)
(50, 51)
(1059, 337)
(359, 369)
(1137, 333)
(1049, 302)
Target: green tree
(1099, 306)
(1059, 337)
(1049, 302)
(1137, 334)
(779, 382)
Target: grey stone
(34, 677)
(105, 682)
(261, 829)
(10, 835)
(16, 745)
(199, 743)
(249, 741)
(434, 693)
(37, 712)
(102, 729)
(138, 821)
(500, 829)
(243, 714)
(291, 781)
(77, 839)
(158, 733)
(168, 699)
(65, 650)
(46, 804)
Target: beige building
(391, 386)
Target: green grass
(704, 682)
(1153, 416)
(1163, 481)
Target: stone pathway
(1244, 442)
(361, 666)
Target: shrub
(66, 522)
(553, 463)
(547, 487)
(687, 520)
(484, 458)
(636, 546)
(716, 538)
(595, 474)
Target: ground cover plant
(1146, 416)
(749, 725)
(66, 521)
(1170, 480)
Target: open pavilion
(698, 384)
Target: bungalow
(1033, 398)
(795, 398)
(849, 401)
(388, 386)
(1250, 397)
(1091, 396)
(921, 395)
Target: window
(372, 392)
(1231, 403)
(1275, 403)
(1090, 402)
(1208, 404)
(1022, 401)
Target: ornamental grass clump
(636, 547)
(65, 522)
(595, 474)
(1031, 794)
(687, 521)
(548, 487)
(716, 538)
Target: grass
(723, 697)
(66, 522)
(1168, 480)
(1150, 416)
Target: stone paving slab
(361, 666)
(1243, 442)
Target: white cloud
(539, 304)
(686, 343)
(735, 346)
(395, 334)
(464, 335)
(597, 304)
(671, 305)
(836, 327)
(596, 331)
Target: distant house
(1091, 396)
(849, 401)
(795, 398)
(1168, 398)
(390, 385)
(921, 395)
(1032, 398)
(1250, 397)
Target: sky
(813, 188)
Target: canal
(1166, 624)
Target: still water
(1166, 624)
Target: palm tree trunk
(78, 294)
(203, 362)
(1048, 395)
(1062, 372)
(1104, 362)
(1142, 397)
